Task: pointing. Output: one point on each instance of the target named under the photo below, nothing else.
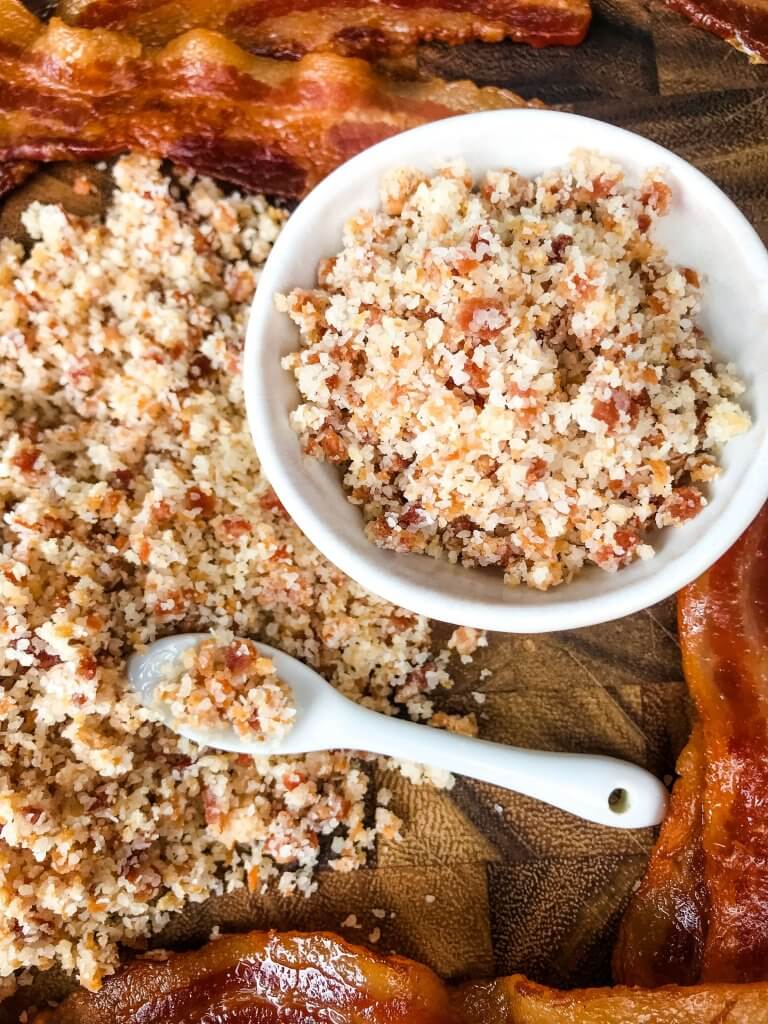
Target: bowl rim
(417, 595)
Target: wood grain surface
(485, 881)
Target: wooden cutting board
(487, 882)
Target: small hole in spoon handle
(618, 800)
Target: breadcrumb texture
(510, 373)
(225, 683)
(133, 507)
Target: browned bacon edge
(701, 913)
(267, 125)
(363, 28)
(742, 23)
(273, 978)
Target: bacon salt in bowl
(696, 275)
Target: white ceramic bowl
(703, 230)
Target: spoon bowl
(601, 789)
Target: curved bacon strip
(516, 1000)
(267, 978)
(270, 126)
(362, 28)
(706, 891)
(742, 23)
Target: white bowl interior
(704, 230)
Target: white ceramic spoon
(600, 789)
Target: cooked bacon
(268, 978)
(702, 911)
(516, 1000)
(267, 125)
(742, 23)
(355, 28)
(293, 978)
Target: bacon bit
(683, 504)
(244, 759)
(656, 305)
(486, 466)
(273, 847)
(254, 879)
(26, 459)
(583, 287)
(466, 265)
(171, 604)
(478, 380)
(411, 517)
(657, 196)
(536, 471)
(143, 550)
(198, 499)
(81, 186)
(87, 666)
(211, 808)
(122, 479)
(466, 315)
(200, 367)
(94, 622)
(606, 556)
(644, 222)
(45, 660)
(474, 243)
(325, 269)
(33, 814)
(161, 512)
(691, 277)
(605, 412)
(626, 540)
(240, 656)
(241, 287)
(81, 374)
(235, 527)
(110, 503)
(621, 401)
(293, 779)
(79, 699)
(660, 471)
(603, 186)
(559, 244)
(330, 443)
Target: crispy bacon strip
(355, 28)
(742, 23)
(516, 1000)
(265, 978)
(268, 978)
(702, 911)
(270, 126)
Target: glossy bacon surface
(270, 126)
(516, 1000)
(742, 23)
(268, 978)
(264, 977)
(702, 910)
(366, 28)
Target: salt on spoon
(601, 789)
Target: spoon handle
(600, 789)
